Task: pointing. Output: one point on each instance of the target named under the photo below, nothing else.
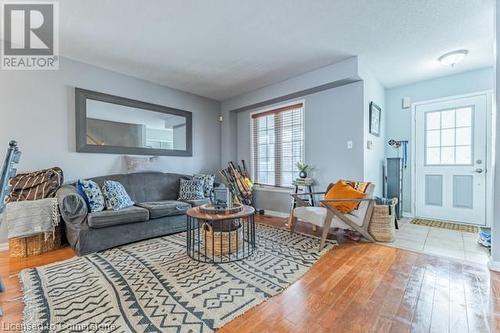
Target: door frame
(488, 94)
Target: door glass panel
(463, 155)
(448, 119)
(464, 117)
(433, 155)
(433, 138)
(433, 120)
(449, 137)
(464, 136)
(434, 190)
(463, 191)
(447, 155)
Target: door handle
(478, 170)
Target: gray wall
(332, 117)
(37, 110)
(334, 75)
(374, 157)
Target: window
(278, 144)
(448, 137)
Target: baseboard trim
(275, 213)
(4, 246)
(494, 265)
(408, 215)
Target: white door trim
(489, 161)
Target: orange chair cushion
(343, 190)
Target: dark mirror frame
(81, 96)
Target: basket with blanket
(32, 213)
(382, 223)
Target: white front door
(450, 157)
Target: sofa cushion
(108, 218)
(198, 202)
(165, 208)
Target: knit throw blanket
(27, 218)
(35, 185)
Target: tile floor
(442, 242)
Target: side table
(306, 183)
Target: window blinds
(278, 144)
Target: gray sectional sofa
(156, 212)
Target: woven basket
(34, 245)
(233, 237)
(382, 224)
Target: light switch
(349, 144)
(369, 144)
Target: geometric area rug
(153, 286)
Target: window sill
(263, 188)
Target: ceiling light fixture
(453, 58)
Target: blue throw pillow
(91, 193)
(116, 196)
(191, 190)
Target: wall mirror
(117, 125)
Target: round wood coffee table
(220, 238)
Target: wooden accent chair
(327, 217)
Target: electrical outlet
(369, 144)
(349, 144)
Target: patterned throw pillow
(91, 193)
(116, 196)
(208, 183)
(191, 189)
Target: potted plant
(303, 168)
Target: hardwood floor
(356, 287)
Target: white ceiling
(222, 48)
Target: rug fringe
(31, 305)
